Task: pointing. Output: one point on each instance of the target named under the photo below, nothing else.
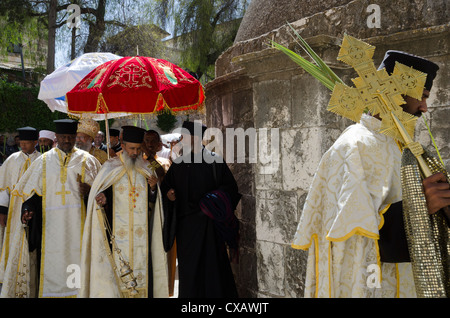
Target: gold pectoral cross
(63, 193)
(380, 93)
(64, 162)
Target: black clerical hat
(114, 132)
(416, 62)
(133, 134)
(66, 126)
(28, 133)
(194, 128)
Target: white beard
(86, 147)
(130, 163)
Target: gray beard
(128, 161)
(86, 147)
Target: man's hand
(3, 218)
(101, 199)
(171, 195)
(26, 216)
(152, 181)
(437, 192)
(84, 188)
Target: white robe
(63, 215)
(10, 172)
(357, 180)
(130, 223)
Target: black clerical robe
(203, 266)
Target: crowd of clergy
(85, 214)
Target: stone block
(247, 234)
(270, 268)
(272, 104)
(301, 151)
(309, 103)
(276, 216)
(247, 279)
(227, 109)
(295, 272)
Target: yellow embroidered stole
(130, 226)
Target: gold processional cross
(380, 93)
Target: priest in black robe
(203, 263)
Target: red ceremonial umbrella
(135, 85)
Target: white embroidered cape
(356, 181)
(98, 276)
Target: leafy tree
(98, 18)
(143, 40)
(19, 27)
(203, 29)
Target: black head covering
(114, 132)
(28, 133)
(66, 126)
(194, 128)
(133, 134)
(416, 62)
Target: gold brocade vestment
(131, 218)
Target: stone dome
(263, 16)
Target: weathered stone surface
(263, 16)
(295, 272)
(277, 113)
(270, 266)
(300, 149)
(276, 214)
(259, 87)
(350, 17)
(246, 273)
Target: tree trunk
(97, 29)
(51, 36)
(72, 49)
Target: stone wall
(259, 87)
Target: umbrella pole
(108, 144)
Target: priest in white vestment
(121, 200)
(39, 259)
(355, 197)
(13, 168)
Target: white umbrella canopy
(53, 87)
(168, 138)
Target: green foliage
(21, 107)
(28, 31)
(166, 120)
(202, 29)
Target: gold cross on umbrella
(380, 93)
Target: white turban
(47, 134)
